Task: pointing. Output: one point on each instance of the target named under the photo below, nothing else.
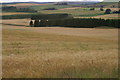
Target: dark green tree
(101, 9)
(36, 23)
(31, 23)
(107, 11)
(92, 9)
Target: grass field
(39, 8)
(24, 4)
(79, 12)
(108, 4)
(58, 52)
(12, 13)
(109, 16)
(76, 12)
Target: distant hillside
(69, 2)
(26, 2)
(108, 4)
(77, 2)
(23, 5)
(111, 0)
(105, 4)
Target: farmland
(78, 12)
(75, 10)
(58, 52)
(66, 52)
(12, 13)
(110, 16)
(39, 8)
(23, 4)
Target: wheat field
(58, 52)
(12, 13)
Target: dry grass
(108, 16)
(13, 13)
(58, 52)
(16, 21)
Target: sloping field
(113, 9)
(24, 4)
(35, 52)
(108, 4)
(75, 12)
(13, 13)
(79, 12)
(108, 16)
(69, 8)
(59, 30)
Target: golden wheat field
(108, 16)
(58, 52)
(12, 13)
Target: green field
(39, 8)
(80, 12)
(76, 12)
(108, 4)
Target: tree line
(15, 9)
(77, 23)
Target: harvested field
(13, 13)
(108, 16)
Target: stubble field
(58, 52)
